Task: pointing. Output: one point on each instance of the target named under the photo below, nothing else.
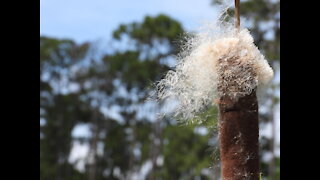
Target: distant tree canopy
(75, 86)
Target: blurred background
(98, 61)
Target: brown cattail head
(239, 137)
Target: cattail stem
(237, 13)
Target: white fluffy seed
(214, 64)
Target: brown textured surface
(239, 138)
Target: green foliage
(55, 144)
(135, 69)
(59, 112)
(116, 147)
(61, 52)
(207, 118)
(185, 153)
(161, 28)
(132, 71)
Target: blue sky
(84, 20)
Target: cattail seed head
(218, 62)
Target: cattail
(222, 61)
(238, 78)
(221, 66)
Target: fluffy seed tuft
(216, 62)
